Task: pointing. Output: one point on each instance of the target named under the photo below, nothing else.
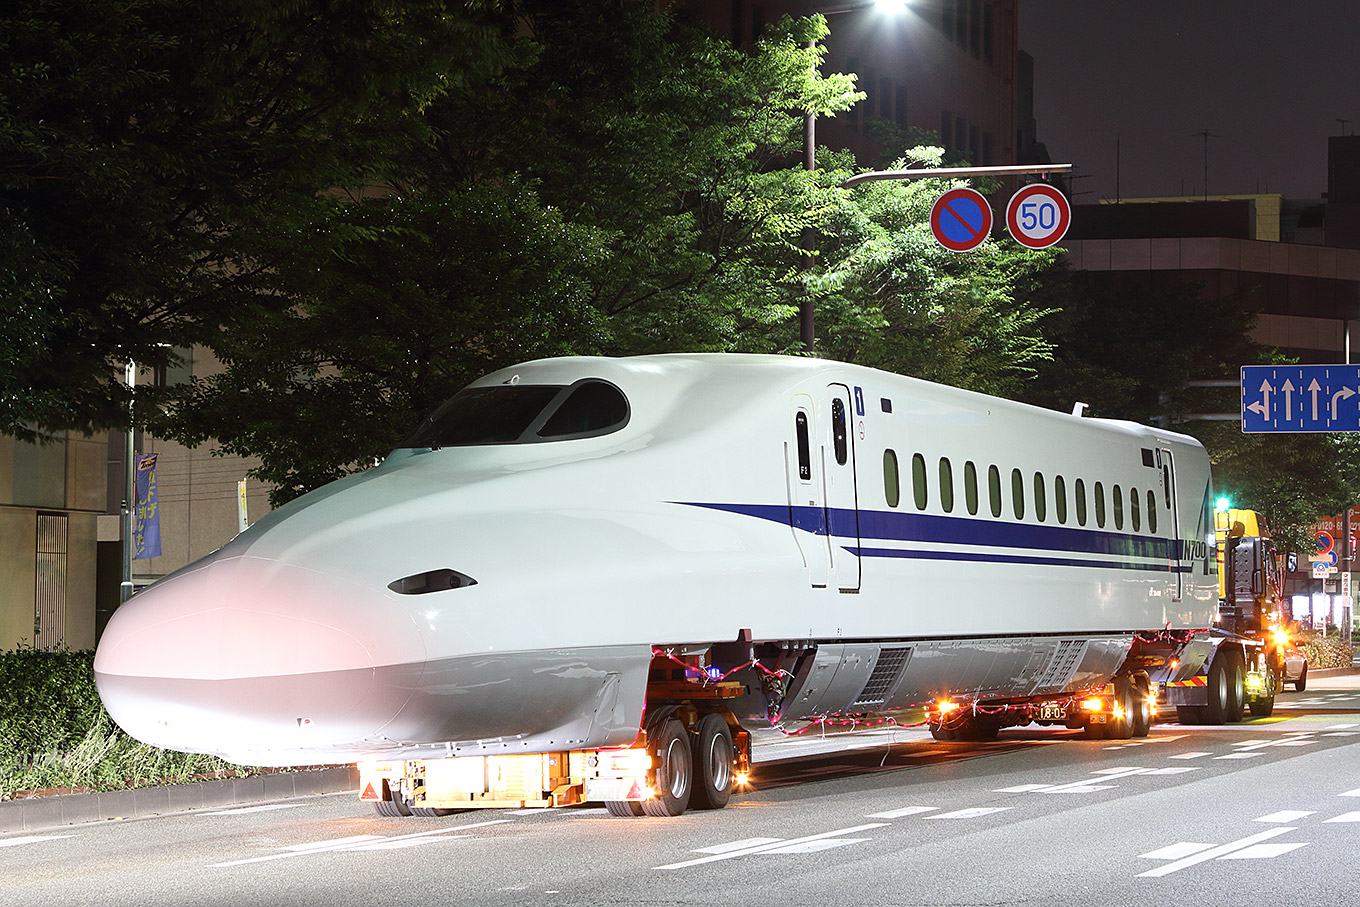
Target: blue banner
(146, 535)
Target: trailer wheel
(977, 727)
(623, 809)
(1263, 707)
(1219, 689)
(940, 732)
(1302, 683)
(1120, 727)
(392, 809)
(714, 757)
(1142, 707)
(431, 812)
(1237, 686)
(674, 772)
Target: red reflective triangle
(635, 793)
(369, 793)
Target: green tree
(152, 152)
(628, 188)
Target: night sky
(1268, 80)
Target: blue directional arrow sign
(1300, 398)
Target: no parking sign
(961, 219)
(1038, 215)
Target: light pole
(130, 486)
(808, 240)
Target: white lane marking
(1338, 727)
(242, 810)
(1175, 770)
(1176, 851)
(1189, 755)
(1238, 756)
(972, 812)
(738, 845)
(31, 839)
(1342, 734)
(1345, 817)
(815, 846)
(361, 842)
(1285, 816)
(1215, 852)
(904, 811)
(1167, 739)
(1351, 793)
(1263, 851)
(1121, 770)
(1090, 785)
(1021, 788)
(713, 858)
(1122, 746)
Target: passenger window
(970, 489)
(918, 480)
(1040, 501)
(1079, 491)
(946, 485)
(1018, 494)
(1060, 498)
(994, 489)
(804, 448)
(892, 488)
(1118, 507)
(1135, 510)
(1152, 511)
(1100, 505)
(839, 438)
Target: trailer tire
(1302, 683)
(714, 763)
(940, 732)
(1142, 707)
(1094, 731)
(431, 812)
(1218, 688)
(674, 770)
(392, 809)
(623, 809)
(1263, 707)
(1237, 686)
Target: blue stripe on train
(878, 525)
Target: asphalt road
(1266, 812)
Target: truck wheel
(623, 809)
(940, 732)
(1237, 686)
(1190, 714)
(1120, 727)
(1142, 707)
(431, 812)
(714, 757)
(1218, 688)
(392, 809)
(1302, 683)
(674, 771)
(1263, 707)
(1094, 731)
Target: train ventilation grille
(886, 670)
(1062, 666)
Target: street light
(808, 240)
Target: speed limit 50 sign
(1038, 215)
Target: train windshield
(524, 414)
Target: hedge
(55, 733)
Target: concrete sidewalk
(70, 809)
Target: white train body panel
(702, 517)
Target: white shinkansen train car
(855, 542)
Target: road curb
(37, 813)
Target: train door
(842, 504)
(1176, 559)
(807, 510)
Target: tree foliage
(152, 152)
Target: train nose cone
(259, 662)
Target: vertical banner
(146, 535)
(242, 515)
